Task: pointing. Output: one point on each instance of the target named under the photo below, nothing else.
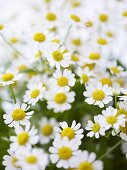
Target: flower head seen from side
(9, 77)
(11, 161)
(59, 99)
(64, 152)
(65, 79)
(73, 132)
(110, 119)
(87, 161)
(46, 129)
(96, 129)
(34, 93)
(18, 115)
(25, 138)
(124, 96)
(34, 159)
(98, 94)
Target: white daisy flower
(25, 138)
(73, 132)
(34, 93)
(124, 92)
(63, 79)
(58, 57)
(85, 75)
(97, 94)
(87, 161)
(18, 115)
(110, 119)
(64, 153)
(122, 108)
(34, 159)
(46, 129)
(59, 99)
(96, 129)
(11, 162)
(9, 77)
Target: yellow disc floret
(7, 77)
(65, 153)
(69, 132)
(124, 14)
(57, 55)
(35, 93)
(94, 56)
(76, 42)
(60, 98)
(47, 130)
(96, 127)
(98, 94)
(85, 166)
(51, 16)
(31, 159)
(85, 78)
(18, 114)
(75, 18)
(39, 37)
(102, 41)
(103, 17)
(62, 81)
(107, 81)
(111, 120)
(23, 138)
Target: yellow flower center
(98, 95)
(56, 41)
(76, 42)
(123, 129)
(31, 159)
(121, 111)
(35, 93)
(23, 138)
(47, 1)
(14, 162)
(1, 27)
(76, 3)
(85, 78)
(69, 132)
(85, 166)
(96, 127)
(94, 56)
(75, 18)
(51, 16)
(65, 153)
(18, 114)
(124, 14)
(109, 34)
(102, 41)
(57, 55)
(107, 81)
(121, 82)
(90, 66)
(75, 58)
(60, 98)
(14, 40)
(115, 70)
(88, 23)
(62, 81)
(103, 17)
(7, 77)
(22, 67)
(47, 130)
(111, 120)
(39, 37)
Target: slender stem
(111, 150)
(68, 32)
(12, 93)
(116, 100)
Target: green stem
(12, 93)
(111, 150)
(68, 32)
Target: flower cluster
(63, 62)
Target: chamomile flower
(88, 161)
(10, 161)
(124, 92)
(9, 77)
(85, 75)
(59, 99)
(34, 159)
(63, 153)
(98, 94)
(25, 138)
(122, 108)
(73, 132)
(63, 79)
(34, 93)
(58, 57)
(110, 119)
(18, 115)
(96, 129)
(46, 129)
